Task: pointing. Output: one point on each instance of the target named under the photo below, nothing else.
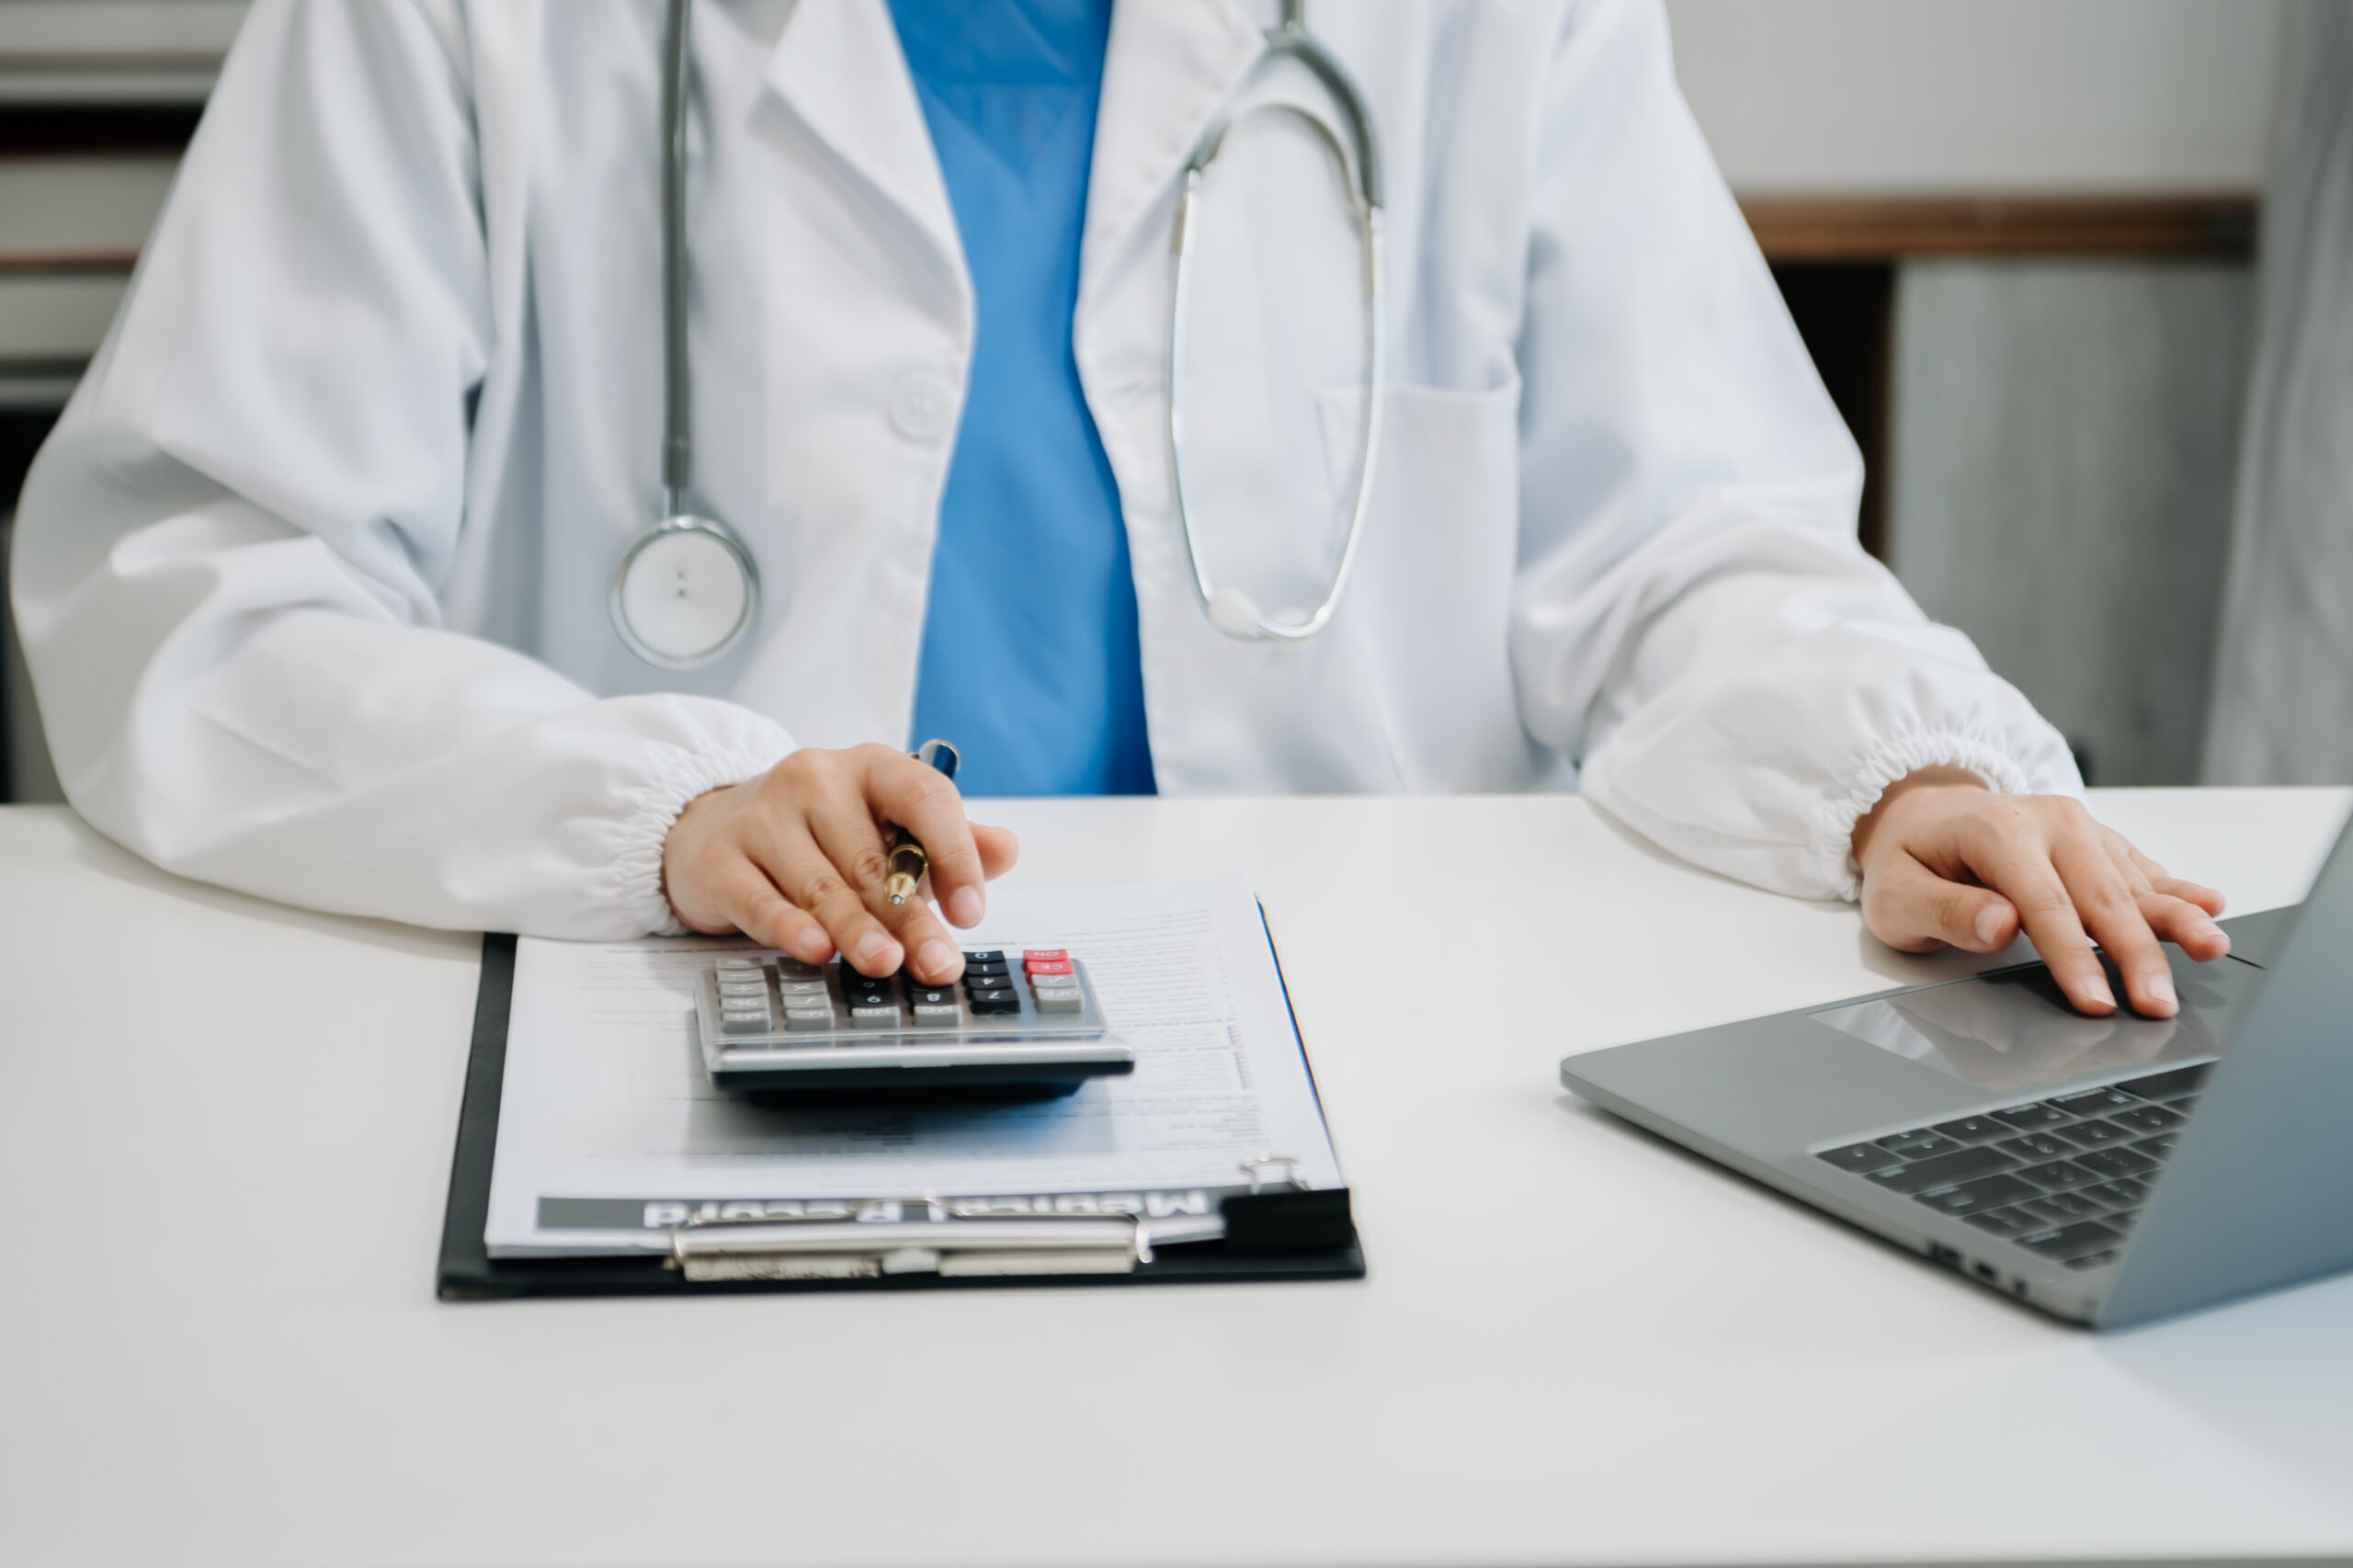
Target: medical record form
(611, 1134)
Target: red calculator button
(1033, 956)
(1038, 969)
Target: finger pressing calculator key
(1024, 1022)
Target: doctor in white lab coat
(312, 575)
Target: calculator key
(2147, 1118)
(884, 1017)
(1060, 1002)
(990, 1003)
(987, 955)
(2123, 1218)
(2115, 1162)
(931, 996)
(2032, 1117)
(2007, 1221)
(2058, 1174)
(792, 988)
(2170, 1086)
(745, 1023)
(1045, 955)
(2079, 1239)
(730, 990)
(1968, 1197)
(1862, 1158)
(2094, 1102)
(1041, 970)
(1922, 1175)
(1918, 1145)
(2160, 1147)
(1972, 1128)
(2036, 1146)
(2094, 1135)
(2095, 1259)
(937, 1014)
(2061, 1206)
(802, 1020)
(2117, 1194)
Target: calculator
(1021, 1023)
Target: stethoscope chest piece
(684, 593)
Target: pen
(907, 861)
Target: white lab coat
(312, 575)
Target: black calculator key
(2032, 1117)
(2077, 1240)
(2094, 1102)
(2115, 1162)
(1862, 1158)
(1972, 1129)
(2123, 1218)
(2147, 1118)
(1917, 1145)
(2117, 1193)
(987, 1004)
(2058, 1208)
(2160, 1147)
(932, 995)
(2168, 1085)
(2007, 1221)
(2036, 1146)
(1944, 1169)
(986, 956)
(2058, 1174)
(2096, 1134)
(1970, 1196)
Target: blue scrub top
(1030, 663)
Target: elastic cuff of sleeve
(1900, 758)
(652, 809)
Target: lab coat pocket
(1430, 603)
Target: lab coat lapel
(838, 66)
(1169, 66)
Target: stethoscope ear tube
(1231, 610)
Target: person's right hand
(795, 859)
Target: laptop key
(1968, 1197)
(2032, 1117)
(1862, 1158)
(2072, 1241)
(2115, 1162)
(2170, 1086)
(1917, 1145)
(2057, 1173)
(1943, 1170)
(2036, 1146)
(2007, 1221)
(2148, 1119)
(1972, 1128)
(2094, 1134)
(2160, 1147)
(2094, 1102)
(2061, 1206)
(2117, 1193)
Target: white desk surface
(1577, 1343)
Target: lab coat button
(923, 407)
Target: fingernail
(1990, 921)
(2100, 992)
(2161, 987)
(936, 960)
(815, 948)
(875, 950)
(964, 906)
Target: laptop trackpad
(2014, 1031)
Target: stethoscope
(685, 591)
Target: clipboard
(1274, 1235)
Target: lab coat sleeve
(1693, 619)
(228, 555)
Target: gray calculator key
(745, 1023)
(875, 1017)
(800, 987)
(739, 963)
(937, 1014)
(801, 1020)
(1060, 1002)
(742, 988)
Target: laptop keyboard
(2064, 1177)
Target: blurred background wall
(2017, 234)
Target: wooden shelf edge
(1872, 229)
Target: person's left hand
(1945, 860)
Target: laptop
(2108, 1171)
